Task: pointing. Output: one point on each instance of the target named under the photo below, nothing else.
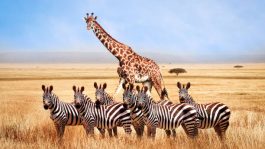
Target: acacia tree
(177, 71)
(238, 66)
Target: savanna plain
(25, 124)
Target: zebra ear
(96, 85)
(188, 85)
(82, 89)
(131, 87)
(179, 85)
(124, 86)
(43, 87)
(51, 88)
(145, 89)
(138, 88)
(104, 86)
(74, 88)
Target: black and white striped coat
(103, 98)
(101, 116)
(129, 99)
(61, 113)
(214, 115)
(166, 117)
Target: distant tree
(238, 66)
(177, 71)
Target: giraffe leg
(122, 80)
(156, 81)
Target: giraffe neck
(118, 49)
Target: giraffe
(133, 68)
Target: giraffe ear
(74, 88)
(188, 85)
(82, 89)
(96, 85)
(43, 87)
(104, 86)
(96, 17)
(51, 88)
(145, 89)
(138, 88)
(179, 85)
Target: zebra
(101, 116)
(104, 98)
(61, 113)
(165, 102)
(214, 115)
(166, 117)
(129, 99)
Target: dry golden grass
(25, 124)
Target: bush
(238, 66)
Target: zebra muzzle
(77, 106)
(46, 107)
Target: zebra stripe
(101, 116)
(214, 115)
(104, 98)
(166, 117)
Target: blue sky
(188, 29)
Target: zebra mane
(191, 99)
(150, 98)
(109, 97)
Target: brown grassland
(25, 124)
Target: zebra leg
(115, 131)
(102, 132)
(153, 132)
(110, 132)
(168, 132)
(148, 131)
(220, 129)
(190, 129)
(174, 133)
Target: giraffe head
(47, 97)
(183, 92)
(90, 20)
(78, 96)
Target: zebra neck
(108, 99)
(191, 101)
(55, 104)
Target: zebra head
(78, 96)
(100, 92)
(47, 97)
(128, 94)
(90, 20)
(183, 93)
(142, 97)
